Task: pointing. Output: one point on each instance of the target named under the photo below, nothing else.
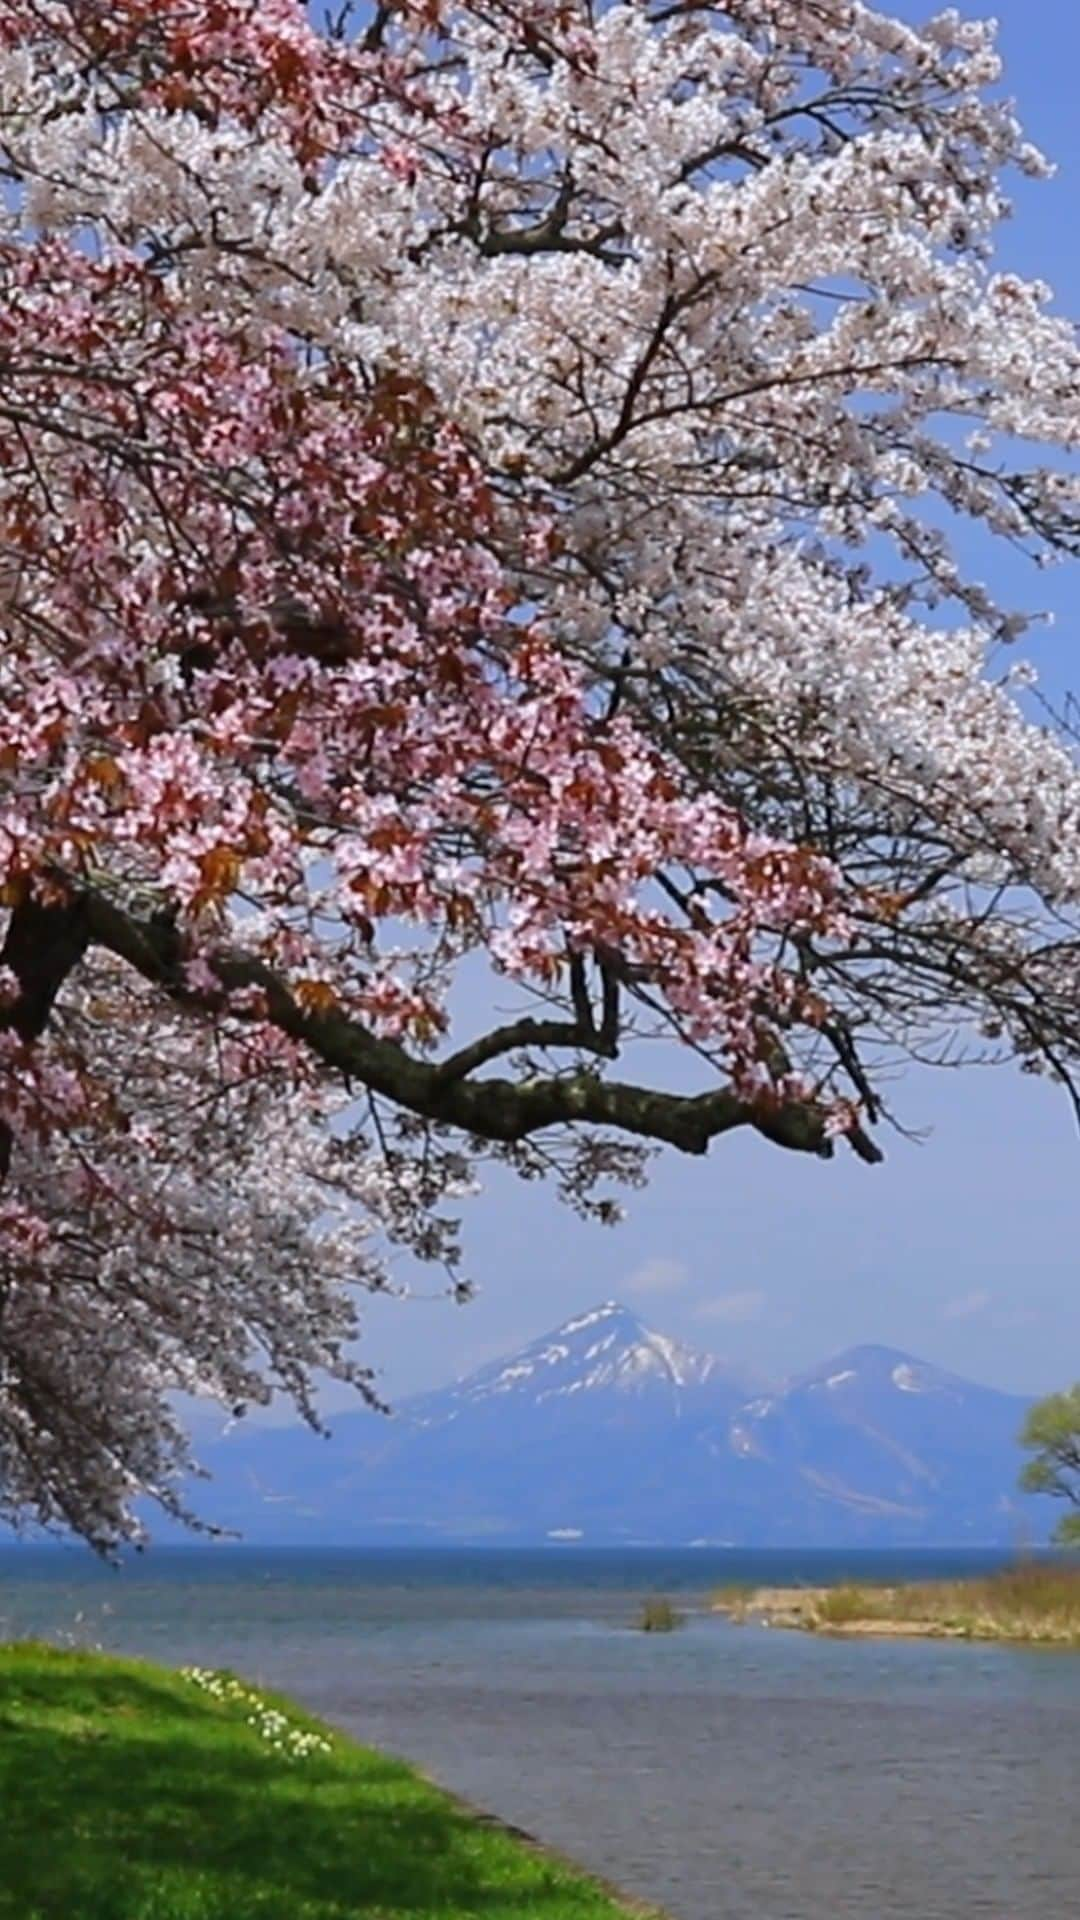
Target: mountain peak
(608, 1311)
(871, 1368)
(607, 1348)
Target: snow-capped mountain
(607, 1432)
(873, 1370)
(605, 1350)
(876, 1432)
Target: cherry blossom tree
(488, 482)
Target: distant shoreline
(1028, 1605)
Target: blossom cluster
(273, 1726)
(200, 1222)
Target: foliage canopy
(487, 483)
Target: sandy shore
(923, 1613)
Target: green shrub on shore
(840, 1605)
(659, 1616)
(1036, 1589)
(131, 1793)
(1032, 1597)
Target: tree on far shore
(1052, 1433)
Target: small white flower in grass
(269, 1722)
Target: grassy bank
(1029, 1603)
(128, 1792)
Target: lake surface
(728, 1773)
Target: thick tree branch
(492, 1109)
(43, 943)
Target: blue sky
(965, 1249)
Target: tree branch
(43, 943)
(494, 1109)
(579, 994)
(526, 1032)
(609, 1016)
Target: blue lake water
(727, 1773)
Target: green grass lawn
(130, 1793)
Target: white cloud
(657, 1276)
(966, 1305)
(734, 1309)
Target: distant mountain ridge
(607, 1432)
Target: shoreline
(191, 1786)
(538, 1849)
(946, 1611)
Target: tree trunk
(44, 943)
